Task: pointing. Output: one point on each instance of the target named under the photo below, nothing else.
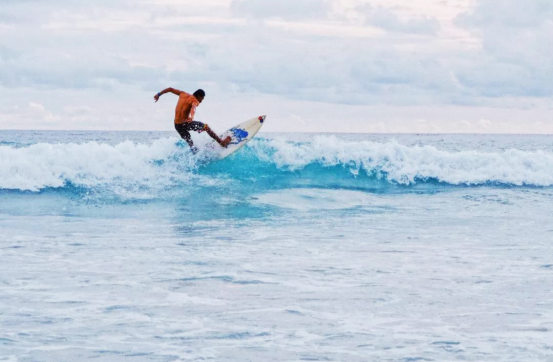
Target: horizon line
(288, 132)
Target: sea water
(124, 246)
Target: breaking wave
(166, 166)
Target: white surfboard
(240, 134)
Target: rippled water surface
(123, 246)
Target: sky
(384, 66)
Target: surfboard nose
(261, 118)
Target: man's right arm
(167, 90)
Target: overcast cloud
(311, 65)
(283, 9)
(386, 19)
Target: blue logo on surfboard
(239, 135)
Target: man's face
(200, 98)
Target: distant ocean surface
(123, 246)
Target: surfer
(184, 116)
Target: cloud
(515, 57)
(385, 18)
(508, 14)
(283, 9)
(150, 46)
(8, 54)
(38, 111)
(298, 51)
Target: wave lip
(408, 165)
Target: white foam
(407, 165)
(130, 167)
(91, 164)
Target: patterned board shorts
(184, 128)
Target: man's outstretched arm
(167, 90)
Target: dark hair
(199, 93)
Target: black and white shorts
(184, 128)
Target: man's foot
(226, 141)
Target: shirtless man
(184, 116)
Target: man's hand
(172, 90)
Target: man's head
(200, 95)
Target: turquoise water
(125, 246)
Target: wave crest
(166, 164)
(409, 165)
(93, 164)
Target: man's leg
(213, 135)
(185, 135)
(200, 127)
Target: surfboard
(240, 135)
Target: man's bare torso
(186, 107)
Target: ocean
(123, 246)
